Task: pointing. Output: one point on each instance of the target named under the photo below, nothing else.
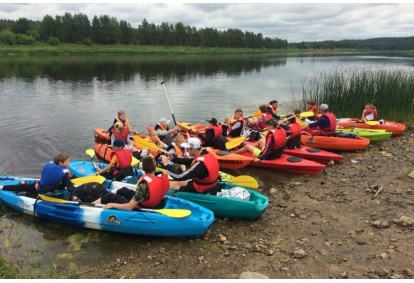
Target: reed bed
(346, 91)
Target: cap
(164, 121)
(323, 107)
(212, 121)
(118, 142)
(192, 143)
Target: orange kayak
(335, 143)
(229, 160)
(185, 127)
(395, 128)
(99, 134)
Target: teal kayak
(374, 136)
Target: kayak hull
(390, 126)
(374, 136)
(335, 143)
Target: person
(164, 132)
(203, 173)
(293, 132)
(311, 106)
(325, 125)
(121, 132)
(153, 138)
(272, 108)
(174, 148)
(120, 165)
(149, 193)
(55, 176)
(124, 120)
(297, 113)
(273, 144)
(213, 135)
(233, 126)
(261, 121)
(369, 113)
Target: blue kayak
(139, 222)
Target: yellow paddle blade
(306, 114)
(176, 213)
(245, 181)
(134, 161)
(235, 142)
(88, 179)
(371, 123)
(257, 113)
(144, 143)
(90, 152)
(51, 199)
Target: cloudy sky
(295, 22)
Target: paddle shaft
(165, 90)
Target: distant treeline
(104, 29)
(385, 43)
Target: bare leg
(176, 185)
(247, 147)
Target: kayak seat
(294, 159)
(223, 152)
(312, 149)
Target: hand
(256, 160)
(108, 206)
(164, 159)
(170, 156)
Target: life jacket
(262, 120)
(177, 150)
(271, 107)
(372, 111)
(153, 152)
(123, 135)
(328, 131)
(51, 175)
(157, 187)
(159, 126)
(124, 159)
(279, 137)
(124, 122)
(212, 165)
(314, 109)
(295, 130)
(233, 121)
(218, 130)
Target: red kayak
(314, 154)
(288, 163)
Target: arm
(141, 194)
(114, 161)
(269, 110)
(266, 151)
(197, 170)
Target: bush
(87, 41)
(7, 37)
(52, 40)
(25, 39)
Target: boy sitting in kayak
(369, 113)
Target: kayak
(288, 163)
(374, 136)
(99, 134)
(335, 143)
(314, 154)
(395, 128)
(186, 127)
(251, 208)
(229, 160)
(164, 222)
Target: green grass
(9, 270)
(346, 91)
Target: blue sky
(292, 21)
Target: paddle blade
(235, 142)
(51, 199)
(306, 114)
(90, 152)
(134, 161)
(371, 123)
(175, 213)
(257, 113)
(88, 179)
(144, 143)
(245, 181)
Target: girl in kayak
(369, 113)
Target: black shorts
(123, 195)
(190, 189)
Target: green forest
(106, 30)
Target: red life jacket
(271, 106)
(218, 130)
(124, 159)
(123, 135)
(262, 120)
(295, 130)
(212, 165)
(328, 131)
(233, 121)
(372, 111)
(157, 187)
(314, 109)
(279, 137)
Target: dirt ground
(354, 220)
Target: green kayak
(251, 208)
(374, 136)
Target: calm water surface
(51, 105)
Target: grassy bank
(95, 49)
(346, 91)
(9, 270)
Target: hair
(297, 111)
(60, 157)
(179, 138)
(118, 125)
(273, 101)
(272, 122)
(291, 118)
(148, 164)
(370, 105)
(121, 112)
(238, 110)
(310, 101)
(263, 108)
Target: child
(369, 113)
(311, 106)
(124, 120)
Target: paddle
(371, 123)
(257, 113)
(175, 213)
(88, 179)
(165, 90)
(235, 142)
(245, 181)
(306, 114)
(144, 143)
(91, 153)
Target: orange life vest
(125, 123)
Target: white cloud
(295, 22)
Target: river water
(52, 104)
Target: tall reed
(346, 91)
